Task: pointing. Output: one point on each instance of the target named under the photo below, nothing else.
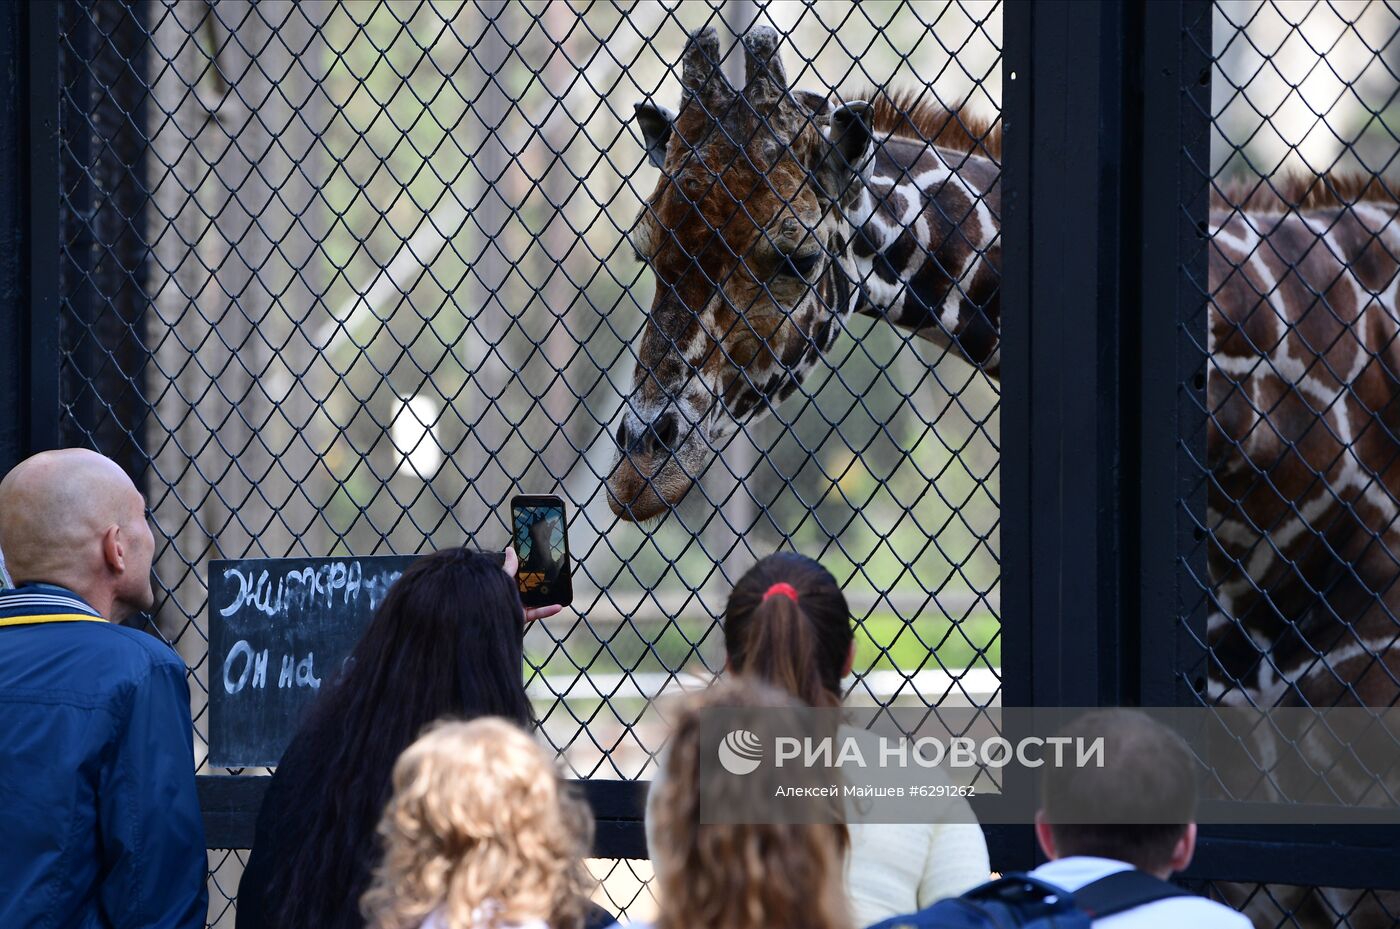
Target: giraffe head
(739, 233)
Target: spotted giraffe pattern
(1303, 350)
(758, 265)
(927, 248)
(1304, 356)
(761, 250)
(776, 215)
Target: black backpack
(1019, 901)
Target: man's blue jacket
(99, 822)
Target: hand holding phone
(541, 542)
(510, 564)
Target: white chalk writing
(252, 664)
(301, 588)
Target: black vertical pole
(29, 351)
(41, 58)
(1094, 225)
(1017, 556)
(13, 235)
(103, 271)
(1070, 77)
(1174, 192)
(1106, 124)
(1013, 847)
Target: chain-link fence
(1292, 444)
(1298, 447)
(1277, 905)
(342, 277)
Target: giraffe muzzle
(648, 476)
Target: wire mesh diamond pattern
(340, 278)
(1296, 340)
(1280, 906)
(1290, 443)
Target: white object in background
(414, 434)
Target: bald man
(99, 820)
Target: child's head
(740, 875)
(787, 623)
(481, 825)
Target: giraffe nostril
(622, 436)
(666, 428)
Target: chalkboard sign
(280, 630)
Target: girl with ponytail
(787, 624)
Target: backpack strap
(1016, 887)
(1124, 890)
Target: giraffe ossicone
(777, 214)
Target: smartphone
(541, 540)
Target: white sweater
(1171, 913)
(898, 868)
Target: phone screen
(543, 550)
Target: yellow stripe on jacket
(50, 618)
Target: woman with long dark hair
(787, 624)
(446, 642)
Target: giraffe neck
(924, 245)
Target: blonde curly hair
(481, 826)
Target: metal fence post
(1067, 79)
(28, 230)
(1175, 129)
(104, 258)
(1071, 82)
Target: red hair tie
(781, 589)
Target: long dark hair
(446, 641)
(795, 637)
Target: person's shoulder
(140, 651)
(116, 661)
(1196, 912)
(92, 664)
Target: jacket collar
(40, 600)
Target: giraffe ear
(655, 123)
(848, 146)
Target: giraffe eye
(799, 265)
